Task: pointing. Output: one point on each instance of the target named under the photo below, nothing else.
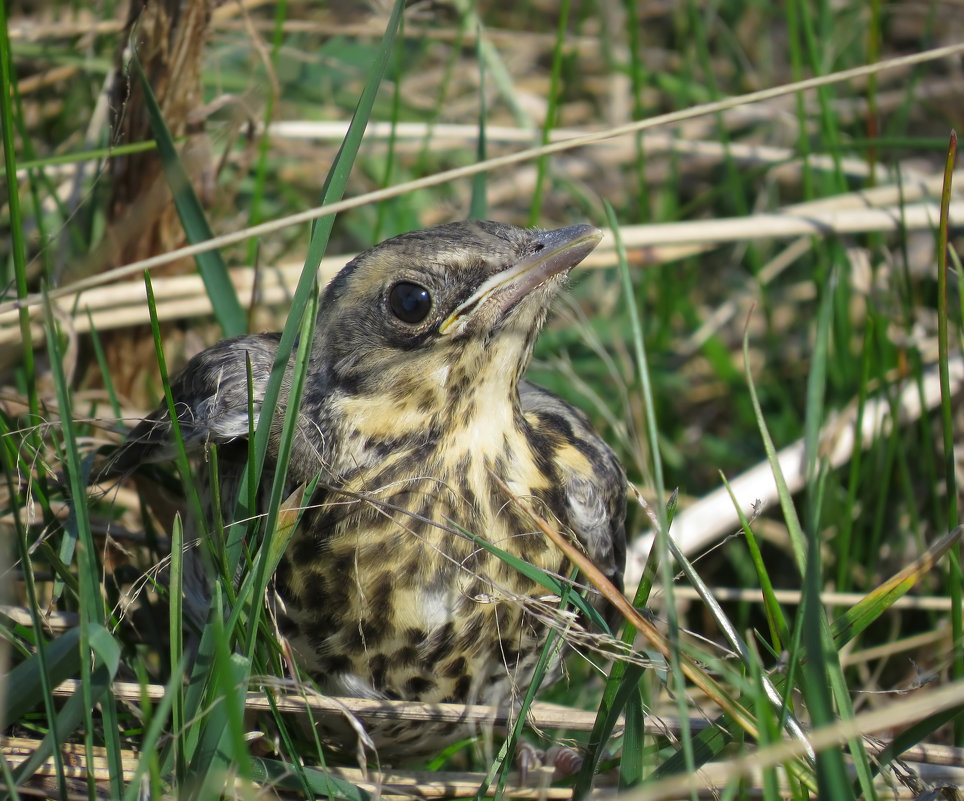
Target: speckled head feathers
(473, 290)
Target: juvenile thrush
(414, 401)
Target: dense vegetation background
(778, 276)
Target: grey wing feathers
(595, 500)
(211, 402)
(598, 524)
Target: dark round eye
(410, 303)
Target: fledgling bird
(414, 400)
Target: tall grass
(772, 313)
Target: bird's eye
(409, 302)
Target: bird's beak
(561, 250)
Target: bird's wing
(211, 402)
(591, 477)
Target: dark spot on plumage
(348, 384)
(378, 626)
(340, 565)
(414, 465)
(316, 595)
(476, 590)
(459, 383)
(325, 620)
(463, 686)
(468, 641)
(533, 546)
(469, 409)
(355, 639)
(378, 665)
(543, 447)
(287, 627)
(338, 595)
(463, 465)
(535, 543)
(556, 425)
(301, 551)
(408, 574)
(430, 506)
(417, 685)
(505, 616)
(378, 552)
(326, 512)
(333, 663)
(415, 637)
(453, 668)
(387, 475)
(550, 501)
(474, 519)
(407, 656)
(427, 401)
(401, 391)
(282, 575)
(382, 585)
(438, 645)
(414, 441)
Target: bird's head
(431, 309)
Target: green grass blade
(677, 683)
(160, 716)
(916, 733)
(500, 767)
(816, 389)
(69, 719)
(107, 659)
(779, 630)
(869, 609)
(632, 763)
(92, 617)
(50, 666)
(797, 539)
(555, 585)
(18, 247)
(620, 687)
(322, 783)
(176, 642)
(270, 553)
(53, 664)
(731, 635)
(948, 428)
(831, 771)
(822, 677)
(191, 490)
(211, 267)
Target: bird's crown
(441, 287)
